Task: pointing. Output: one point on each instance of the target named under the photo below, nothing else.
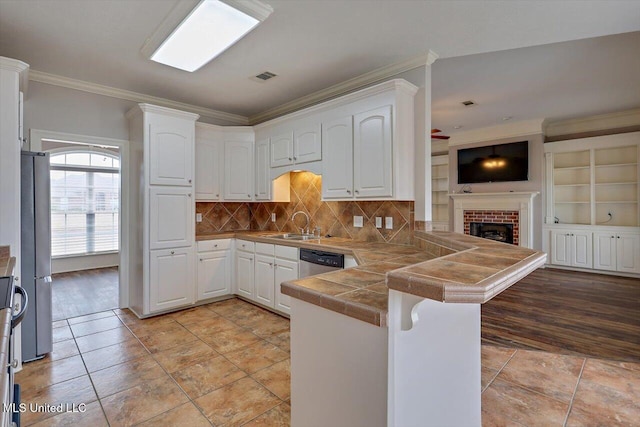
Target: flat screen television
(494, 163)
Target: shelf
(441, 204)
(572, 185)
(616, 165)
(564, 168)
(572, 203)
(439, 177)
(619, 202)
(618, 183)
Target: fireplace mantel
(521, 201)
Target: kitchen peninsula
(423, 344)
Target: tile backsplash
(334, 218)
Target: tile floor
(227, 363)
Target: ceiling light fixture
(457, 127)
(211, 28)
(504, 119)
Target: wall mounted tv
(494, 163)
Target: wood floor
(78, 293)
(567, 312)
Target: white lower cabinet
(244, 284)
(264, 280)
(285, 270)
(171, 279)
(572, 248)
(214, 270)
(617, 252)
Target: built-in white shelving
(440, 191)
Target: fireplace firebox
(501, 232)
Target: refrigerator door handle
(45, 279)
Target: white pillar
(423, 149)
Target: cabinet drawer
(287, 252)
(244, 245)
(214, 245)
(265, 248)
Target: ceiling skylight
(210, 29)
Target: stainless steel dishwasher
(314, 262)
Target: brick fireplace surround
(496, 217)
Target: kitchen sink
(293, 236)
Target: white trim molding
(98, 89)
(511, 130)
(345, 87)
(621, 119)
(521, 201)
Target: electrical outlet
(388, 222)
(273, 217)
(378, 222)
(198, 217)
(357, 221)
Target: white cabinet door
(171, 279)
(244, 274)
(560, 247)
(238, 170)
(581, 249)
(604, 251)
(337, 154)
(307, 144)
(263, 181)
(264, 280)
(171, 219)
(214, 274)
(628, 253)
(208, 174)
(372, 153)
(282, 150)
(285, 270)
(171, 151)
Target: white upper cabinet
(337, 152)
(307, 145)
(282, 149)
(171, 142)
(209, 147)
(170, 217)
(372, 153)
(238, 170)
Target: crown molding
(620, 119)
(55, 80)
(491, 133)
(345, 87)
(149, 108)
(16, 66)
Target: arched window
(85, 190)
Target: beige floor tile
(126, 375)
(59, 324)
(193, 315)
(281, 339)
(488, 375)
(497, 419)
(257, 356)
(113, 355)
(230, 340)
(206, 376)
(276, 378)
(126, 316)
(229, 307)
(148, 326)
(280, 416)
(186, 415)
(93, 326)
(246, 316)
(210, 327)
(555, 375)
(527, 407)
(92, 416)
(494, 357)
(88, 317)
(39, 374)
(77, 390)
(270, 325)
(171, 336)
(607, 393)
(103, 339)
(180, 357)
(62, 350)
(237, 402)
(143, 402)
(62, 334)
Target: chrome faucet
(302, 230)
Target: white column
(423, 150)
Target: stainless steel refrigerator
(37, 329)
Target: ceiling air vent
(265, 76)
(468, 103)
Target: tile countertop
(448, 267)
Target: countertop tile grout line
(575, 390)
